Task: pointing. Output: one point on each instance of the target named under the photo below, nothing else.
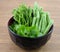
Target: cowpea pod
(35, 9)
(48, 27)
(43, 22)
(34, 21)
(48, 18)
(30, 15)
(37, 14)
(40, 13)
(40, 23)
(37, 18)
(16, 17)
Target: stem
(48, 27)
(43, 22)
(34, 21)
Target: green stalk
(34, 21)
(48, 27)
(30, 15)
(27, 18)
(48, 18)
(37, 18)
(40, 25)
(43, 22)
(40, 21)
(49, 23)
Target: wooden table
(6, 7)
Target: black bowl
(28, 43)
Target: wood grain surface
(6, 7)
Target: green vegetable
(43, 22)
(30, 22)
(34, 21)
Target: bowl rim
(50, 30)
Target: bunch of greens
(31, 22)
